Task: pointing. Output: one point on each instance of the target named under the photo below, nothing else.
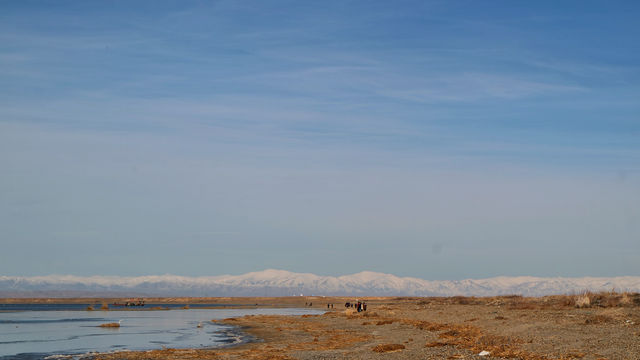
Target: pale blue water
(37, 334)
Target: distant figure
(364, 307)
(310, 304)
(328, 306)
(347, 305)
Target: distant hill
(284, 283)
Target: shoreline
(281, 301)
(554, 327)
(439, 328)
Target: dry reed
(383, 348)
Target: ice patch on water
(87, 355)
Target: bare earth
(432, 328)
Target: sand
(435, 328)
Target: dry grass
(384, 322)
(456, 356)
(522, 306)
(182, 354)
(606, 299)
(436, 344)
(575, 354)
(111, 325)
(475, 339)
(89, 308)
(565, 300)
(350, 312)
(383, 348)
(583, 301)
(599, 319)
(369, 314)
(626, 300)
(461, 336)
(104, 306)
(466, 300)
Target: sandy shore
(433, 328)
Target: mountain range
(284, 283)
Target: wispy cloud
(471, 87)
(379, 126)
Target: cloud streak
(271, 135)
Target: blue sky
(435, 139)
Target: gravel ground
(435, 328)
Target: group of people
(359, 306)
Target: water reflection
(37, 334)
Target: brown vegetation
(587, 299)
(383, 348)
(384, 322)
(476, 340)
(599, 319)
(111, 325)
(508, 327)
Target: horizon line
(310, 273)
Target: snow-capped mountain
(284, 283)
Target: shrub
(583, 301)
(626, 300)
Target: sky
(432, 139)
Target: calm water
(37, 334)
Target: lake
(31, 332)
